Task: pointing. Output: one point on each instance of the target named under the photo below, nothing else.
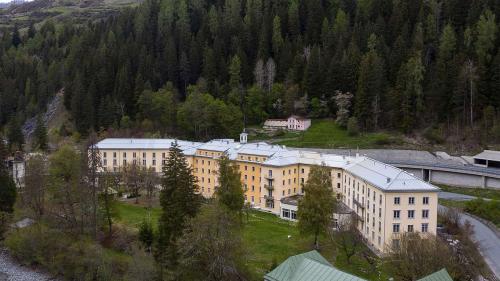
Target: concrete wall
(457, 179)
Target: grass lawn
(478, 192)
(133, 215)
(453, 203)
(326, 134)
(266, 238)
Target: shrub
(383, 140)
(433, 135)
(146, 235)
(74, 259)
(352, 126)
(487, 209)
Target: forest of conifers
(205, 68)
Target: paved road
(488, 242)
(455, 196)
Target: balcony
(269, 177)
(269, 201)
(269, 187)
(357, 203)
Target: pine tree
(40, 134)
(370, 87)
(229, 192)
(316, 208)
(179, 200)
(15, 135)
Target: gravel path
(12, 271)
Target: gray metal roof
(188, 147)
(488, 155)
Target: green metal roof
(441, 275)
(309, 266)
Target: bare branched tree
(33, 191)
(94, 167)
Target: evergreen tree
(370, 87)
(15, 135)
(8, 192)
(229, 192)
(316, 208)
(180, 201)
(40, 134)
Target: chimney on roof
(388, 179)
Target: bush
(433, 135)
(488, 210)
(74, 259)
(383, 140)
(146, 235)
(352, 126)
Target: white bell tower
(243, 137)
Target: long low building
(387, 201)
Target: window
(104, 154)
(425, 214)
(379, 241)
(105, 162)
(144, 155)
(253, 188)
(338, 185)
(114, 154)
(154, 162)
(410, 228)
(252, 199)
(163, 156)
(379, 212)
(208, 180)
(283, 192)
(396, 200)
(293, 215)
(246, 168)
(302, 170)
(425, 200)
(338, 175)
(379, 226)
(124, 154)
(396, 214)
(395, 228)
(253, 169)
(245, 175)
(411, 214)
(286, 213)
(411, 200)
(425, 227)
(302, 180)
(114, 162)
(154, 155)
(395, 243)
(124, 162)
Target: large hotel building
(386, 201)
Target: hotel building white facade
(386, 201)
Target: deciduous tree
(315, 210)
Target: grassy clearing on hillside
(326, 134)
(478, 192)
(266, 238)
(133, 215)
